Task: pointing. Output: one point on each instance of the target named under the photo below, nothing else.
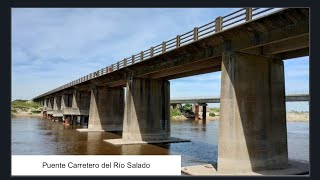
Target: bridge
(248, 46)
(200, 103)
(184, 100)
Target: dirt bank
(26, 114)
(297, 116)
(291, 117)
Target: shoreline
(26, 115)
(290, 116)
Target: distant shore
(26, 114)
(291, 117)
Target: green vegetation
(175, 112)
(186, 108)
(36, 111)
(212, 114)
(24, 104)
(215, 110)
(30, 107)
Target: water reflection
(40, 136)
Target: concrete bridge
(184, 100)
(247, 49)
(200, 103)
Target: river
(37, 136)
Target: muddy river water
(37, 136)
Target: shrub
(24, 104)
(36, 111)
(187, 107)
(175, 112)
(215, 109)
(212, 114)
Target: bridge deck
(282, 34)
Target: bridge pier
(196, 112)
(57, 112)
(252, 132)
(147, 112)
(50, 109)
(204, 112)
(44, 109)
(106, 109)
(76, 104)
(176, 106)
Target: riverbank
(298, 116)
(291, 117)
(26, 114)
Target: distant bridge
(183, 100)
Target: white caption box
(91, 165)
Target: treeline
(19, 103)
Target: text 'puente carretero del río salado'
(248, 46)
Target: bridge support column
(63, 101)
(252, 132)
(204, 112)
(176, 106)
(75, 99)
(106, 109)
(57, 113)
(50, 108)
(56, 103)
(147, 112)
(44, 108)
(196, 112)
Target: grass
(214, 109)
(175, 112)
(24, 104)
(36, 111)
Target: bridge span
(248, 49)
(200, 103)
(184, 100)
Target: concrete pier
(57, 112)
(176, 106)
(80, 103)
(196, 112)
(204, 112)
(106, 109)
(252, 132)
(147, 115)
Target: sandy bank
(26, 114)
(297, 116)
(291, 117)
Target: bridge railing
(220, 23)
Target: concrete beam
(295, 54)
(202, 64)
(287, 45)
(193, 73)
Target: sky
(53, 46)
